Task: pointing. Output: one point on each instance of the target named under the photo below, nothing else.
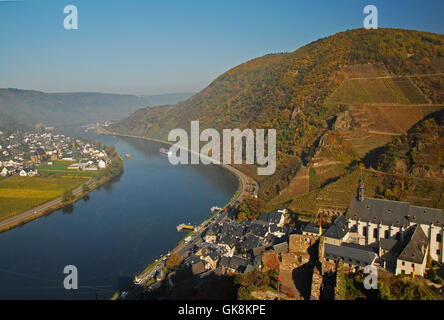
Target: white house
(23, 173)
(102, 164)
(4, 172)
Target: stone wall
(299, 243)
(316, 283)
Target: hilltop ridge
(296, 93)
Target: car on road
(124, 294)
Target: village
(392, 236)
(23, 154)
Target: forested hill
(418, 153)
(25, 108)
(288, 91)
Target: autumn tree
(250, 208)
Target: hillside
(418, 153)
(25, 108)
(296, 93)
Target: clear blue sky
(151, 47)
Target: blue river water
(114, 233)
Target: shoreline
(52, 205)
(242, 178)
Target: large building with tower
(402, 235)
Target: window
(375, 233)
(403, 263)
(364, 231)
(413, 265)
(438, 252)
(438, 237)
(386, 234)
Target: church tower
(361, 189)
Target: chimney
(361, 189)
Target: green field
(60, 167)
(387, 90)
(18, 194)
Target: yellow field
(18, 194)
(28, 193)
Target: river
(114, 233)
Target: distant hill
(167, 98)
(290, 91)
(25, 108)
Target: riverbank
(158, 263)
(61, 201)
(243, 178)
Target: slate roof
(338, 229)
(214, 255)
(211, 232)
(250, 243)
(246, 223)
(192, 259)
(238, 263)
(394, 213)
(349, 255)
(416, 246)
(274, 217)
(311, 228)
(275, 228)
(281, 247)
(224, 262)
(387, 244)
(232, 229)
(229, 240)
(258, 229)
